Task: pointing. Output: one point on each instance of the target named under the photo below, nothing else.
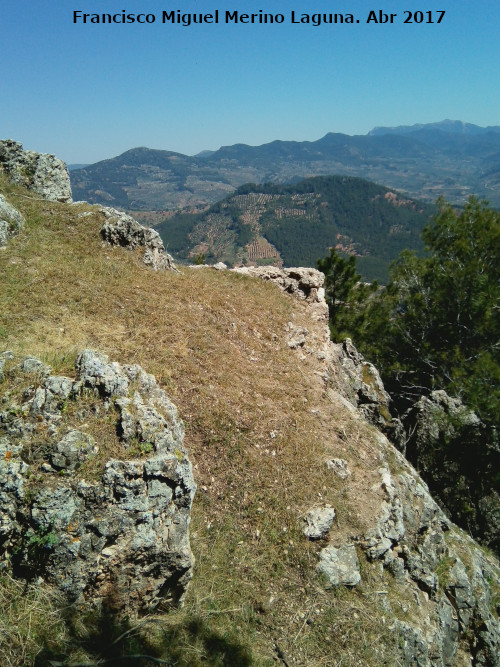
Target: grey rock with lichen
(318, 522)
(414, 647)
(12, 487)
(11, 221)
(359, 381)
(72, 450)
(31, 365)
(4, 357)
(45, 174)
(458, 590)
(94, 371)
(414, 540)
(121, 536)
(340, 565)
(121, 229)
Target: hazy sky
(87, 92)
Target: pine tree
(345, 293)
(437, 324)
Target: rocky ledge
(439, 590)
(105, 519)
(303, 283)
(447, 603)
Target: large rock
(114, 531)
(303, 283)
(340, 566)
(123, 230)
(359, 381)
(451, 579)
(318, 522)
(11, 221)
(45, 174)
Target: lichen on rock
(121, 537)
(123, 230)
(45, 174)
(11, 221)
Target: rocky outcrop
(103, 517)
(459, 456)
(360, 382)
(455, 583)
(123, 230)
(11, 221)
(302, 283)
(445, 593)
(452, 586)
(45, 174)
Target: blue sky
(89, 92)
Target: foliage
(303, 221)
(437, 324)
(345, 294)
(47, 539)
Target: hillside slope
(295, 225)
(265, 408)
(423, 162)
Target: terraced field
(295, 225)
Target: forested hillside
(296, 224)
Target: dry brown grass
(31, 617)
(259, 425)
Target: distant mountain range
(450, 126)
(450, 158)
(72, 167)
(294, 225)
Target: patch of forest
(303, 221)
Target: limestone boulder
(101, 528)
(317, 522)
(45, 174)
(11, 221)
(340, 565)
(123, 230)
